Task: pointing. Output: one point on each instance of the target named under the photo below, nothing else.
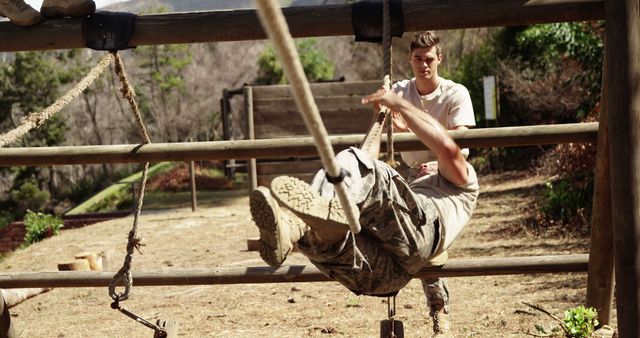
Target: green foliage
(315, 64)
(567, 199)
(29, 196)
(118, 200)
(40, 226)
(580, 321)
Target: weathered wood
(75, 265)
(192, 184)
(307, 21)
(318, 89)
(248, 110)
(293, 273)
(278, 124)
(13, 297)
(94, 260)
(324, 103)
(623, 104)
(269, 148)
(600, 277)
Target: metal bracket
(367, 20)
(108, 30)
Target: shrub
(40, 226)
(29, 196)
(580, 321)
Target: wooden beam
(623, 103)
(293, 273)
(600, 280)
(268, 148)
(306, 21)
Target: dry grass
(215, 236)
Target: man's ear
(440, 57)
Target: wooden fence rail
(269, 148)
(293, 273)
(306, 21)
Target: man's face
(424, 62)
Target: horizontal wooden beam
(291, 147)
(293, 273)
(306, 21)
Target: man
(403, 225)
(22, 14)
(450, 104)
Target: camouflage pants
(397, 237)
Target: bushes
(40, 226)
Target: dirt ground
(215, 236)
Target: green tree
(162, 89)
(315, 64)
(29, 82)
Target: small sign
(490, 97)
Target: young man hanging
(403, 225)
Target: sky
(99, 3)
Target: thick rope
(274, 23)
(123, 276)
(386, 71)
(35, 120)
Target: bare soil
(215, 236)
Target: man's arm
(451, 163)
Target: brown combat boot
(19, 12)
(64, 8)
(279, 229)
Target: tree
(315, 64)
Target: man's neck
(427, 86)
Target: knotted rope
(37, 119)
(276, 27)
(123, 276)
(386, 71)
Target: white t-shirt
(455, 203)
(449, 103)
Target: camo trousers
(397, 237)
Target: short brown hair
(426, 39)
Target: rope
(274, 23)
(386, 71)
(123, 276)
(35, 120)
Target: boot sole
(297, 196)
(265, 215)
(83, 9)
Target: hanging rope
(35, 120)
(278, 31)
(386, 71)
(123, 276)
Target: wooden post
(192, 183)
(7, 330)
(623, 103)
(227, 132)
(600, 279)
(251, 163)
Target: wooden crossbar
(287, 147)
(290, 274)
(307, 21)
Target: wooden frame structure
(620, 93)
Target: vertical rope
(386, 71)
(276, 27)
(123, 276)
